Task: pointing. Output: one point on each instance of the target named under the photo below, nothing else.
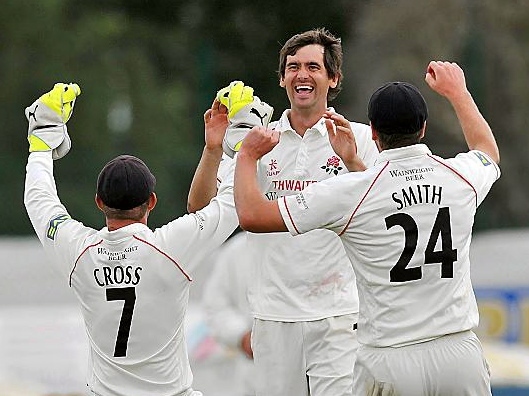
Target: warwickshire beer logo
(332, 166)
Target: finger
(215, 105)
(247, 93)
(432, 68)
(330, 127)
(339, 123)
(71, 91)
(207, 115)
(236, 90)
(338, 119)
(222, 95)
(276, 136)
(223, 109)
(431, 73)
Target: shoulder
(473, 158)
(473, 162)
(360, 128)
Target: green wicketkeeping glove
(47, 118)
(245, 110)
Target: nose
(303, 73)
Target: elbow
(191, 208)
(496, 160)
(490, 149)
(494, 151)
(248, 221)
(194, 205)
(494, 154)
(497, 157)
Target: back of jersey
(409, 241)
(133, 298)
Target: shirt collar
(402, 152)
(123, 232)
(284, 123)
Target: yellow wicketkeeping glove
(235, 96)
(245, 110)
(47, 118)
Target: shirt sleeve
(59, 234)
(477, 167)
(326, 204)
(191, 237)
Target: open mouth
(303, 89)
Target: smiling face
(306, 80)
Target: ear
(153, 200)
(282, 82)
(334, 81)
(99, 202)
(374, 135)
(423, 131)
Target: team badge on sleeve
(482, 158)
(54, 223)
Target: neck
(301, 119)
(115, 224)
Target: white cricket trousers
(305, 358)
(189, 392)
(452, 365)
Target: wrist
(461, 97)
(214, 151)
(355, 165)
(247, 157)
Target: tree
(488, 39)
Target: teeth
(304, 88)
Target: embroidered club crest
(332, 166)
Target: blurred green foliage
(148, 69)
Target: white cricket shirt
(132, 284)
(406, 224)
(307, 277)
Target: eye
(292, 67)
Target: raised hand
(342, 140)
(245, 110)
(215, 124)
(47, 118)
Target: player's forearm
(256, 214)
(476, 129)
(204, 185)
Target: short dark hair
(389, 141)
(332, 54)
(135, 214)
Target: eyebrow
(309, 63)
